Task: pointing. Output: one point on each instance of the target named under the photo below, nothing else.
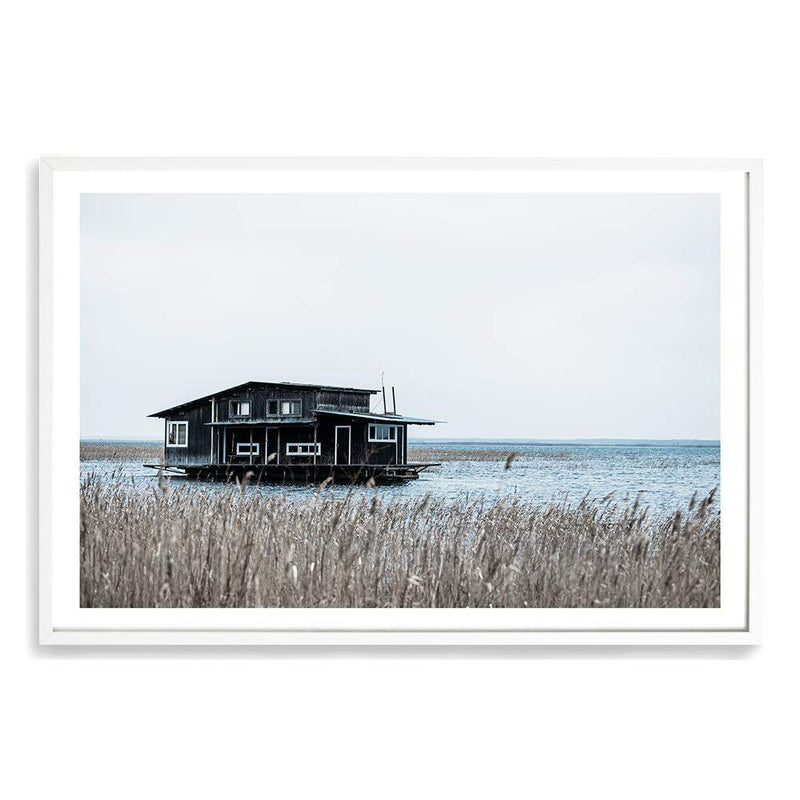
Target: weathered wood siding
(199, 438)
(198, 450)
(357, 402)
(258, 403)
(385, 452)
(310, 400)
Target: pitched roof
(260, 384)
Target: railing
(339, 407)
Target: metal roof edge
(388, 418)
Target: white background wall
(418, 78)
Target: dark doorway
(343, 434)
(273, 456)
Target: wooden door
(343, 447)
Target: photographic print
(401, 401)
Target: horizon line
(537, 440)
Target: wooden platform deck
(298, 473)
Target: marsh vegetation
(430, 453)
(121, 451)
(184, 547)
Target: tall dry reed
(423, 454)
(234, 548)
(121, 451)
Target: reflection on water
(665, 476)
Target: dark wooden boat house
(292, 431)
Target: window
(240, 408)
(247, 448)
(303, 449)
(284, 408)
(177, 434)
(383, 433)
(291, 408)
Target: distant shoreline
(712, 443)
(668, 476)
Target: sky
(555, 316)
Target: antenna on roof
(383, 391)
(394, 403)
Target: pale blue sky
(524, 316)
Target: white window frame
(253, 448)
(290, 413)
(303, 448)
(178, 423)
(234, 403)
(373, 429)
(280, 403)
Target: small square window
(284, 408)
(240, 408)
(382, 433)
(177, 434)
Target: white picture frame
(62, 180)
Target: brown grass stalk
(235, 548)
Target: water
(664, 475)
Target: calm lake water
(664, 475)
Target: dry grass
(420, 454)
(235, 548)
(120, 451)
